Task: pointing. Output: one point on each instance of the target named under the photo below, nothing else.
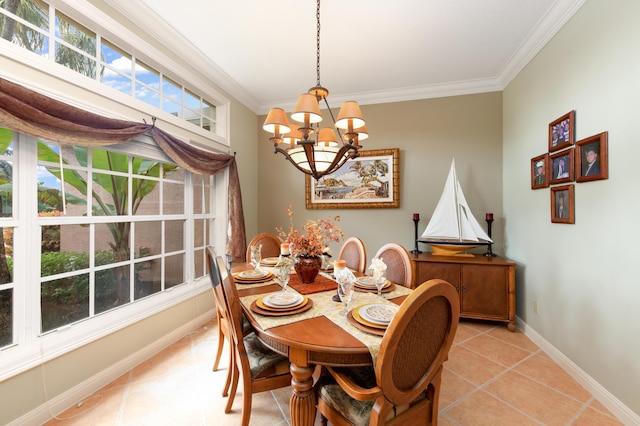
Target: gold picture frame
(370, 181)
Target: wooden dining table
(307, 343)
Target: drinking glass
(345, 292)
(256, 256)
(379, 280)
(283, 274)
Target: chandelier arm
(334, 120)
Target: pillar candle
(284, 249)
(416, 216)
(489, 216)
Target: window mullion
(27, 240)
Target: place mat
(365, 328)
(320, 284)
(279, 312)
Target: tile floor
(493, 377)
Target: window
(75, 46)
(114, 226)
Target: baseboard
(66, 399)
(613, 404)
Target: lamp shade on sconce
(276, 122)
(307, 105)
(350, 116)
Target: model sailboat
(452, 228)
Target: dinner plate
(252, 274)
(371, 286)
(283, 299)
(260, 303)
(368, 282)
(355, 313)
(378, 313)
(270, 261)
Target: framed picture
(561, 166)
(562, 204)
(562, 131)
(370, 181)
(539, 175)
(592, 158)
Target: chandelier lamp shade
(312, 149)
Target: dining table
(324, 334)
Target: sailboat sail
(452, 220)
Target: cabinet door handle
(464, 288)
(457, 287)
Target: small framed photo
(561, 165)
(539, 175)
(562, 204)
(592, 158)
(562, 131)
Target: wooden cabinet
(486, 285)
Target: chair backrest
(354, 253)
(233, 307)
(415, 346)
(216, 280)
(400, 268)
(270, 245)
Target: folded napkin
(378, 268)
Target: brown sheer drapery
(34, 114)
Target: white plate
(282, 299)
(378, 314)
(252, 273)
(366, 282)
(270, 261)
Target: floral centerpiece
(310, 243)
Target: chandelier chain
(318, 44)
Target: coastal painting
(368, 181)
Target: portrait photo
(592, 162)
(562, 204)
(562, 167)
(539, 175)
(561, 132)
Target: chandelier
(315, 150)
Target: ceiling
(263, 52)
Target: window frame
(32, 348)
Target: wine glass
(256, 256)
(345, 292)
(283, 274)
(379, 280)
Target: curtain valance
(34, 114)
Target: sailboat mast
(457, 203)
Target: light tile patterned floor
(493, 377)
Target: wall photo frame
(371, 180)
(561, 166)
(592, 158)
(562, 132)
(562, 204)
(539, 175)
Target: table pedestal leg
(302, 405)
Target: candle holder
(489, 252)
(416, 250)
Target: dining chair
(261, 368)
(400, 267)
(404, 387)
(354, 253)
(221, 316)
(270, 245)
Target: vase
(307, 268)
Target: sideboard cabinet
(486, 285)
